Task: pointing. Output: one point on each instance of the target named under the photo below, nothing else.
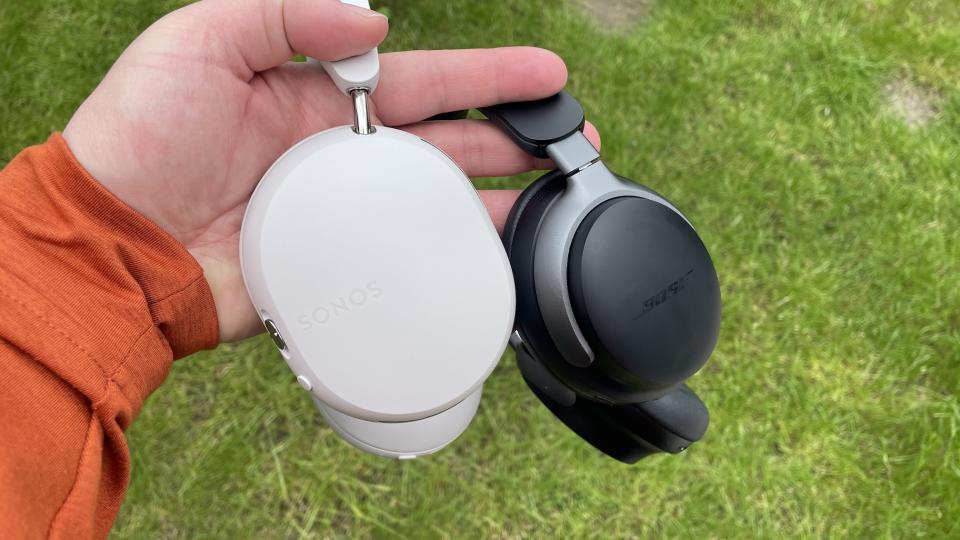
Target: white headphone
(380, 277)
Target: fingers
(592, 134)
(249, 36)
(498, 203)
(419, 84)
(478, 147)
(481, 149)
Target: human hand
(200, 105)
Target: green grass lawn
(816, 146)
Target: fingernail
(364, 12)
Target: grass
(834, 226)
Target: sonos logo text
(665, 294)
(352, 301)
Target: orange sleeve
(96, 302)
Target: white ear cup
(403, 440)
(385, 281)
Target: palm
(182, 129)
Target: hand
(197, 108)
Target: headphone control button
(305, 383)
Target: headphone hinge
(573, 154)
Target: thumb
(331, 29)
(256, 35)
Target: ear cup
(622, 250)
(676, 420)
(631, 432)
(520, 237)
(403, 439)
(645, 293)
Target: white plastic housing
(361, 71)
(377, 262)
(403, 440)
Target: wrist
(170, 279)
(236, 317)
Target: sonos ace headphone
(380, 277)
(618, 302)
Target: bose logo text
(352, 301)
(665, 294)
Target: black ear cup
(596, 424)
(645, 294)
(631, 432)
(642, 286)
(671, 423)
(650, 328)
(520, 237)
(633, 311)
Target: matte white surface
(377, 261)
(404, 440)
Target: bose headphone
(618, 302)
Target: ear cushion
(601, 426)
(631, 432)
(520, 240)
(520, 235)
(546, 187)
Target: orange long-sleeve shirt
(96, 302)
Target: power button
(274, 334)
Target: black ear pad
(540, 193)
(520, 236)
(631, 432)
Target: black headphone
(618, 302)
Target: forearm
(95, 303)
